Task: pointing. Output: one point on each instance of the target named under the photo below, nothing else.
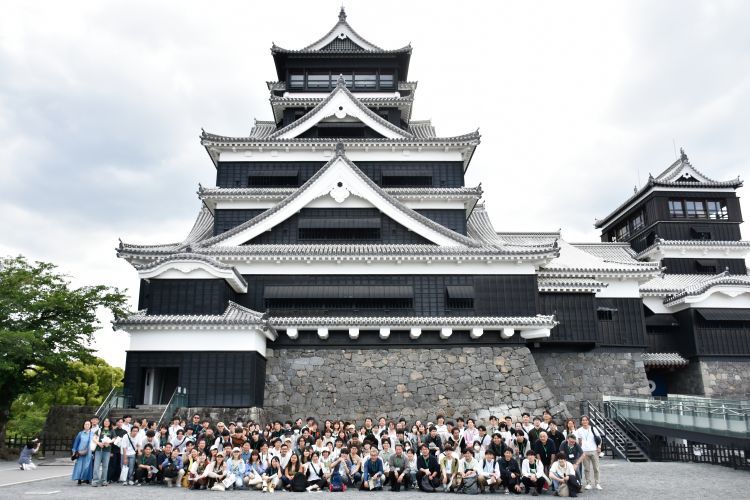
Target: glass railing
(727, 417)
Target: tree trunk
(6, 400)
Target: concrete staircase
(149, 412)
(621, 435)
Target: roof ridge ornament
(684, 157)
(341, 82)
(342, 14)
(340, 149)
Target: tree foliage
(46, 325)
(89, 385)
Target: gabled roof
(480, 227)
(235, 316)
(422, 128)
(663, 359)
(188, 262)
(341, 103)
(280, 103)
(339, 178)
(679, 174)
(341, 38)
(262, 129)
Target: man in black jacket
(545, 450)
(497, 445)
(434, 438)
(510, 472)
(428, 466)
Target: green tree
(45, 325)
(89, 385)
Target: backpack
(469, 486)
(299, 482)
(170, 470)
(337, 484)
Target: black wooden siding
(690, 266)
(225, 219)
(627, 325)
(184, 296)
(213, 378)
(576, 313)
(287, 231)
(494, 295)
(722, 338)
(656, 210)
(236, 174)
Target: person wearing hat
(236, 468)
(216, 472)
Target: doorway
(159, 384)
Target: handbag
(74, 456)
(124, 471)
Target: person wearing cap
(216, 472)
(237, 468)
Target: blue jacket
(82, 441)
(370, 468)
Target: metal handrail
(633, 432)
(597, 417)
(682, 406)
(177, 400)
(100, 410)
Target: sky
(102, 102)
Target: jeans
(130, 466)
(101, 464)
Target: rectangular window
(621, 232)
(318, 80)
(365, 81)
(459, 297)
(297, 80)
(717, 210)
(637, 222)
(676, 211)
(386, 80)
(695, 209)
(603, 314)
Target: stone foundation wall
(575, 376)
(63, 423)
(725, 377)
(409, 383)
(226, 415)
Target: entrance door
(159, 384)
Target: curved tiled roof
(723, 279)
(234, 315)
(680, 169)
(262, 129)
(612, 252)
(693, 244)
(209, 139)
(663, 359)
(341, 89)
(422, 129)
(419, 218)
(573, 261)
(428, 192)
(202, 228)
(540, 321)
(480, 227)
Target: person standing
(103, 439)
(82, 470)
(591, 444)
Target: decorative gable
(340, 179)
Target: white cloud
(101, 104)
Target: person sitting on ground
(449, 469)
(271, 478)
(341, 466)
(27, 452)
(372, 472)
(489, 472)
(171, 468)
(197, 478)
(146, 470)
(254, 471)
(314, 471)
(411, 462)
(428, 470)
(510, 473)
(563, 476)
(216, 472)
(237, 468)
(468, 466)
(532, 474)
(398, 475)
(293, 467)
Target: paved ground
(621, 480)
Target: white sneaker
(588, 487)
(598, 486)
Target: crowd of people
(533, 455)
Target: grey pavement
(621, 480)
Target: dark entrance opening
(159, 384)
